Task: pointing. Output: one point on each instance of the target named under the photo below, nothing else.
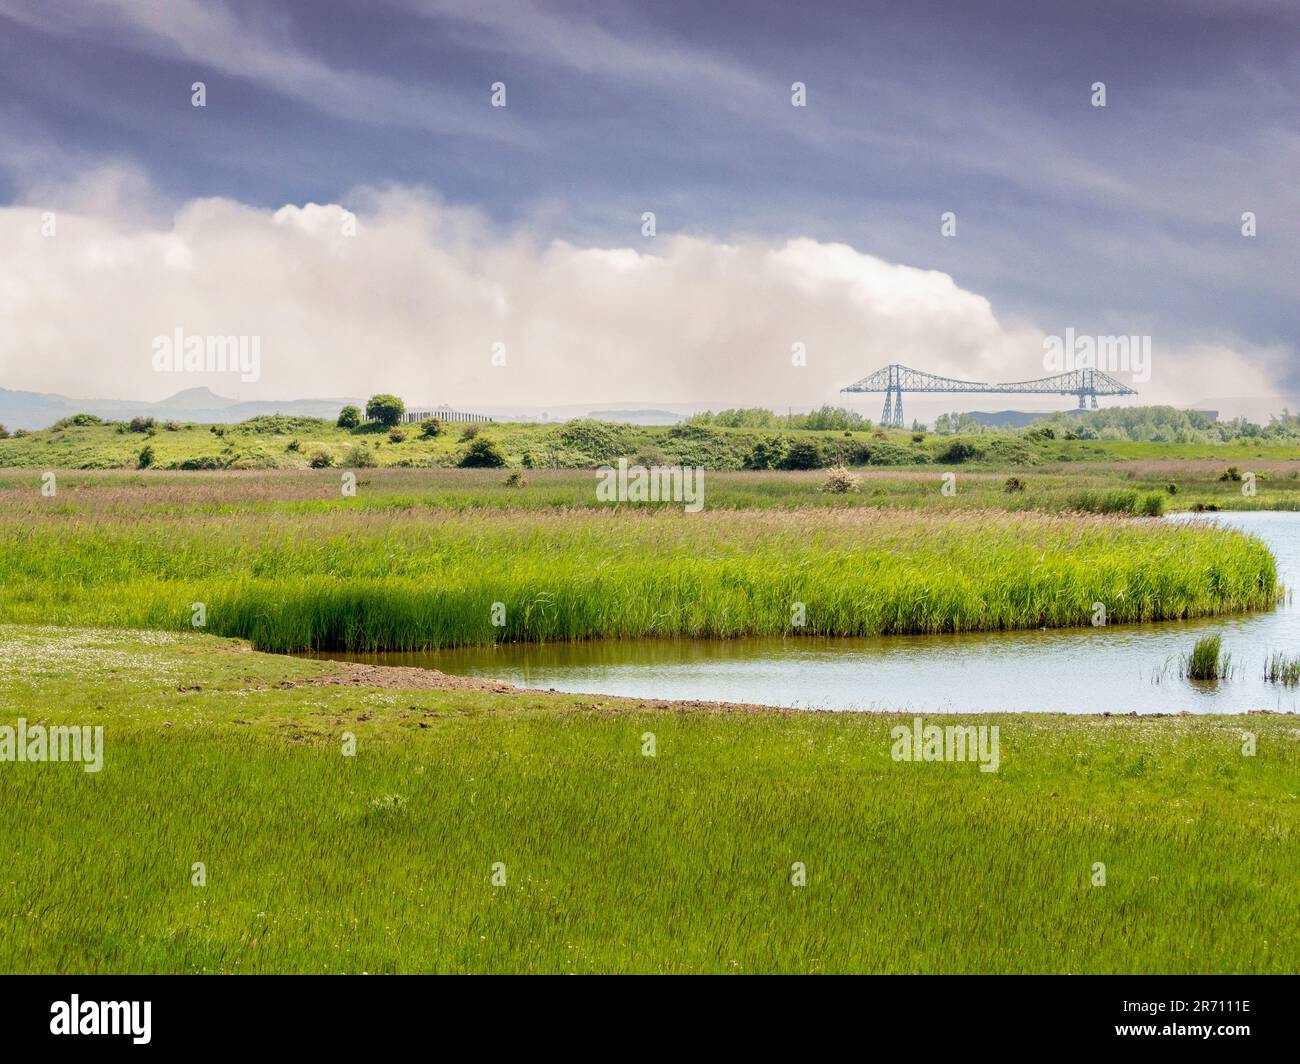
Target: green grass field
(614, 861)
(395, 572)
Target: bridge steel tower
(895, 379)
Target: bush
(649, 457)
(596, 441)
(361, 457)
(79, 420)
(207, 461)
(1172, 489)
(839, 481)
(804, 454)
(4, 433)
(1153, 504)
(321, 460)
(146, 457)
(349, 417)
(140, 424)
(469, 431)
(957, 452)
(1013, 485)
(767, 453)
(430, 427)
(293, 445)
(482, 454)
(516, 480)
(891, 454)
(1231, 473)
(386, 409)
(396, 436)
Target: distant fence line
(443, 414)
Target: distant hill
(1018, 419)
(36, 410)
(639, 417)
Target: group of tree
(1140, 424)
(823, 419)
(386, 410)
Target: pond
(1117, 669)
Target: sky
(350, 196)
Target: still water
(1117, 669)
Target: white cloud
(415, 300)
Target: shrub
(79, 420)
(469, 431)
(349, 417)
(146, 457)
(396, 436)
(361, 457)
(1172, 489)
(804, 454)
(4, 433)
(321, 460)
(596, 441)
(839, 481)
(1153, 504)
(516, 480)
(1231, 473)
(890, 454)
(293, 445)
(1013, 485)
(386, 409)
(140, 424)
(430, 427)
(206, 461)
(482, 454)
(649, 456)
(957, 452)
(767, 453)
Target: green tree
(349, 417)
(386, 409)
(482, 453)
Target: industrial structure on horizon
(895, 379)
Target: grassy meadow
(613, 861)
(218, 753)
(390, 571)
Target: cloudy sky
(500, 255)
